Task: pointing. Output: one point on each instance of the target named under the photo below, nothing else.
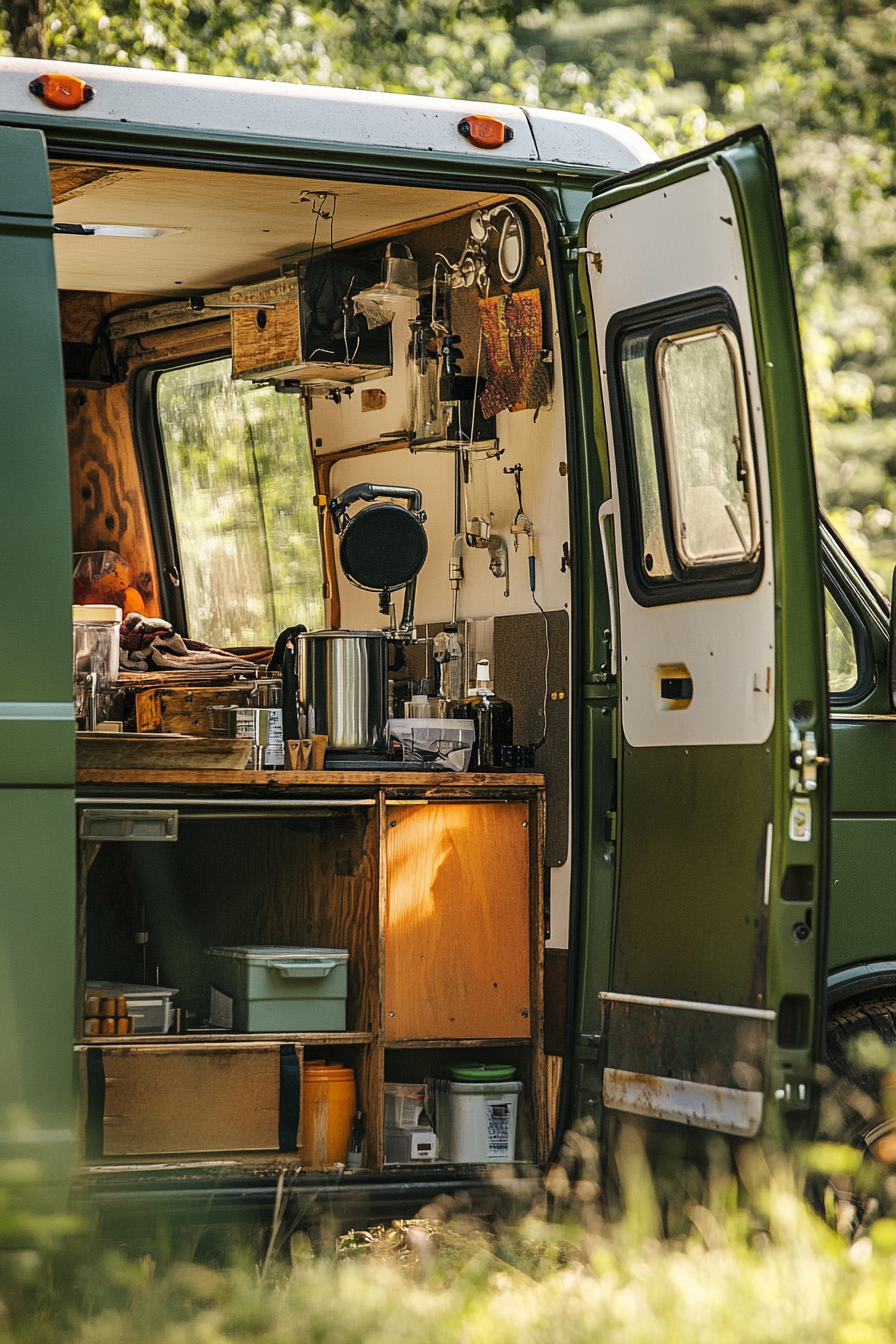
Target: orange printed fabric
(512, 336)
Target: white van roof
(306, 113)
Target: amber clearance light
(62, 91)
(485, 132)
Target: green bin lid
(481, 1073)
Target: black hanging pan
(383, 546)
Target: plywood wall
(108, 503)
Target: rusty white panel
(725, 1110)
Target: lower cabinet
(458, 923)
(434, 892)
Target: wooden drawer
(182, 1098)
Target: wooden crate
(182, 1098)
(457, 928)
(183, 709)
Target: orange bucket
(328, 1108)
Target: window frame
(148, 440)
(865, 671)
(682, 315)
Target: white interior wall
(539, 444)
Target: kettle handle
(389, 247)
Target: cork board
(189, 1099)
(519, 677)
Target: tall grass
(751, 1262)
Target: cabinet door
(458, 922)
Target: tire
(858, 1083)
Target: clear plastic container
(95, 631)
(432, 744)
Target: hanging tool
(522, 523)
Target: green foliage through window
(242, 487)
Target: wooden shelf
(487, 1043)
(232, 1038)
(277, 781)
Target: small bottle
(353, 1161)
(492, 719)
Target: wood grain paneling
(457, 931)
(108, 504)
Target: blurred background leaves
(820, 74)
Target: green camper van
(424, 724)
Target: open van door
(37, 730)
(714, 1004)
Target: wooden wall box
(266, 341)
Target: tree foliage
(821, 76)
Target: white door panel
(652, 248)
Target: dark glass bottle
(492, 720)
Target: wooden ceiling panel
(235, 227)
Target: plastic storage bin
(151, 1006)
(280, 988)
(476, 1122)
(432, 744)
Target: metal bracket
(804, 761)
(131, 823)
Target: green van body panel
(37, 730)
(862, 937)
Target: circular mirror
(382, 548)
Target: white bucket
(476, 1122)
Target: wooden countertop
(276, 781)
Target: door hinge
(804, 761)
(596, 259)
(610, 826)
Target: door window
(710, 461)
(241, 488)
(843, 662)
(684, 426)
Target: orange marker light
(485, 132)
(62, 91)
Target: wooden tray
(160, 751)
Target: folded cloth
(147, 644)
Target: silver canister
(261, 721)
(343, 687)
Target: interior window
(710, 459)
(843, 662)
(241, 487)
